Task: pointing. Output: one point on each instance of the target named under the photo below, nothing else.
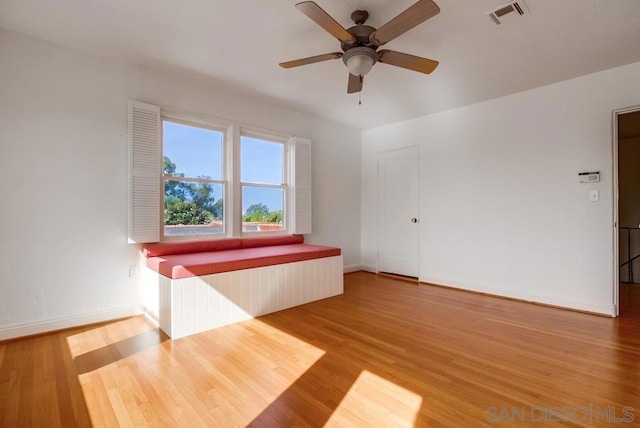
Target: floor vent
(511, 11)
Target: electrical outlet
(133, 271)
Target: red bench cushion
(186, 265)
(187, 247)
(268, 241)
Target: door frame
(616, 214)
(416, 148)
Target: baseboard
(369, 268)
(16, 331)
(608, 310)
(352, 268)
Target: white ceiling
(241, 42)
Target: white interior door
(398, 223)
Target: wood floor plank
(386, 353)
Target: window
(192, 175)
(262, 179)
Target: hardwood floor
(386, 353)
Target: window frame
(145, 160)
(270, 137)
(208, 124)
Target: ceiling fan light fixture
(360, 60)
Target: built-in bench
(189, 287)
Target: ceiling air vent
(511, 11)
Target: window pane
(191, 152)
(261, 209)
(192, 208)
(261, 161)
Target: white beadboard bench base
(192, 305)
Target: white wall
(501, 208)
(64, 257)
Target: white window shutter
(301, 183)
(144, 172)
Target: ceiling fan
(360, 43)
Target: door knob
(414, 220)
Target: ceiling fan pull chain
(360, 93)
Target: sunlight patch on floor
(106, 335)
(375, 401)
(228, 375)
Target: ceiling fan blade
(311, 60)
(410, 62)
(414, 15)
(324, 20)
(355, 84)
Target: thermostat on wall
(589, 176)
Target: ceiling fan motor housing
(361, 33)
